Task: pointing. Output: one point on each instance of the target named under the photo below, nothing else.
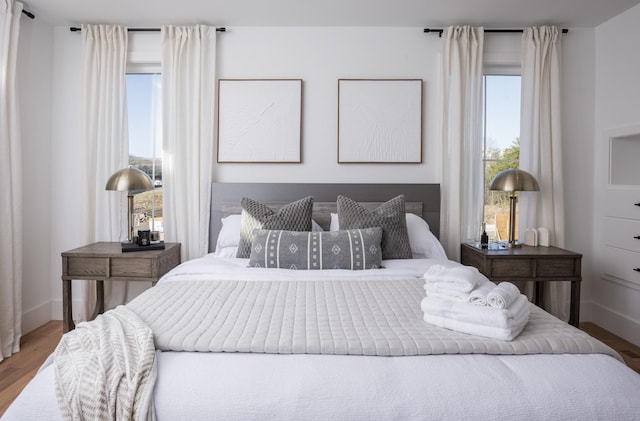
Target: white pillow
(229, 251)
(424, 245)
(229, 235)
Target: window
(501, 146)
(145, 146)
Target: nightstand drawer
(549, 268)
(131, 268)
(515, 268)
(86, 266)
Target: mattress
(242, 385)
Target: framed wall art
(380, 121)
(259, 120)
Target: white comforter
(193, 386)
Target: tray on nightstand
(127, 247)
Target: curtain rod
(76, 29)
(31, 15)
(503, 31)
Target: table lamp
(132, 180)
(512, 181)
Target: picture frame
(380, 121)
(259, 121)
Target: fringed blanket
(105, 369)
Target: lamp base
(514, 245)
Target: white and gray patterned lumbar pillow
(390, 216)
(294, 216)
(349, 249)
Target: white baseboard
(586, 311)
(36, 317)
(56, 309)
(616, 323)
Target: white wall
(319, 56)
(578, 105)
(65, 156)
(617, 95)
(34, 86)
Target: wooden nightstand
(533, 264)
(106, 262)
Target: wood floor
(628, 351)
(16, 371)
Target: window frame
(147, 68)
(493, 70)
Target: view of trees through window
(501, 147)
(145, 146)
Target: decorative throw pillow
(294, 216)
(353, 249)
(390, 216)
(229, 235)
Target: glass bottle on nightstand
(484, 238)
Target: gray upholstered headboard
(225, 197)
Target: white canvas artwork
(380, 121)
(259, 120)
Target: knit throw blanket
(106, 370)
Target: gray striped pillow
(354, 249)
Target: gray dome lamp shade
(129, 179)
(512, 181)
(132, 180)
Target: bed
(344, 344)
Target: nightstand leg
(539, 294)
(99, 309)
(67, 311)
(574, 312)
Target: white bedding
(195, 386)
(206, 386)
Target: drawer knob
(637, 237)
(637, 204)
(636, 269)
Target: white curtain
(461, 122)
(541, 146)
(10, 183)
(105, 147)
(188, 98)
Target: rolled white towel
(503, 295)
(479, 295)
(461, 278)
